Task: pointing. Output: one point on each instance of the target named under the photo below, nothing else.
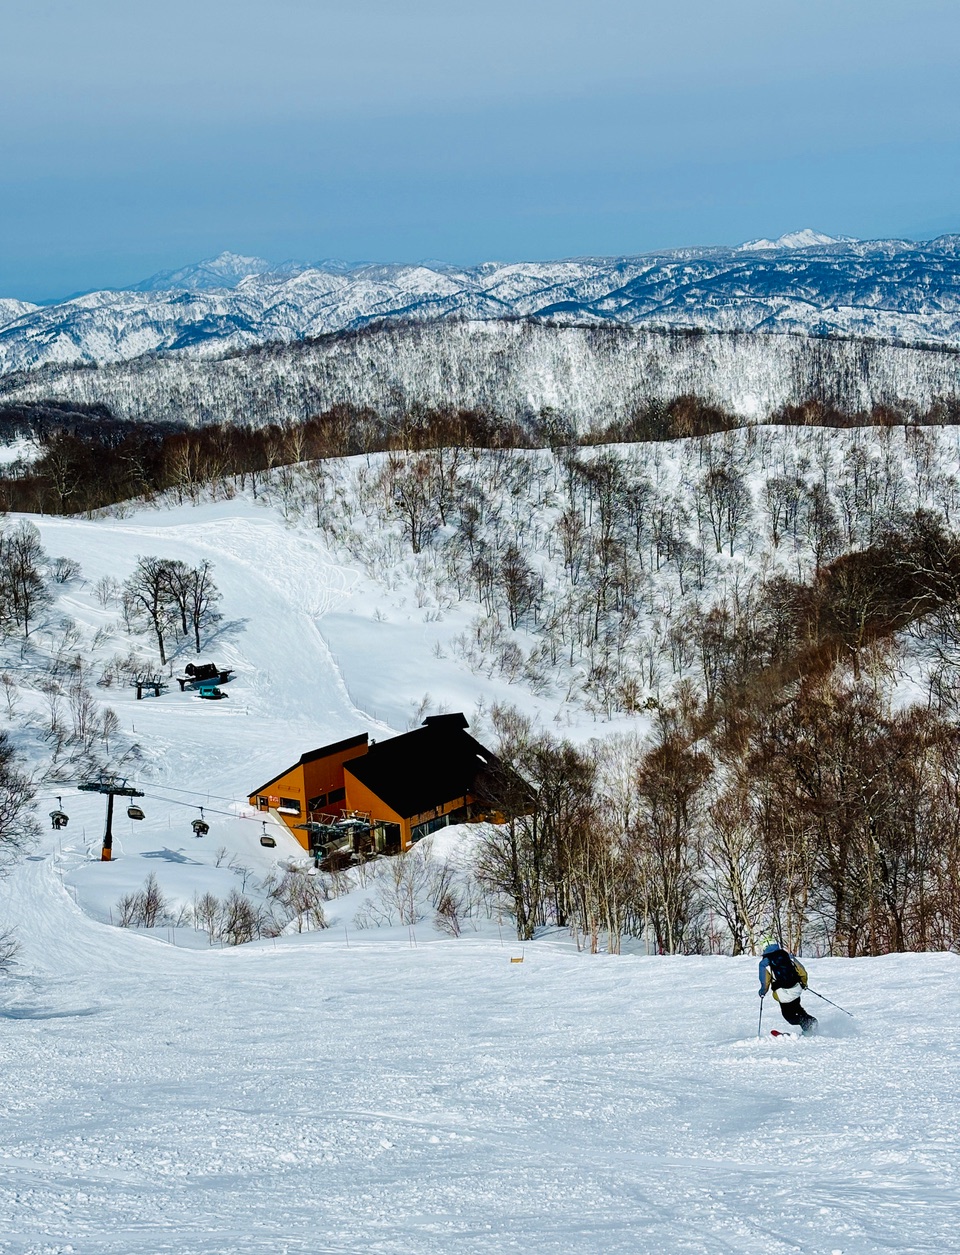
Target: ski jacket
(781, 969)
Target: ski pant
(794, 1013)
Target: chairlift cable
(173, 788)
(176, 801)
(194, 806)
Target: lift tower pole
(113, 787)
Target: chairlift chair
(200, 827)
(59, 819)
(135, 812)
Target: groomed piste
(335, 1094)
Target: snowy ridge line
(587, 376)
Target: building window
(428, 826)
(289, 805)
(317, 803)
(336, 795)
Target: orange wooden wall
(309, 780)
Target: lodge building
(403, 788)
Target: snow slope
(392, 1091)
(265, 575)
(326, 1097)
(284, 596)
(11, 309)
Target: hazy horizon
(140, 140)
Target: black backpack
(782, 971)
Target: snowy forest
(759, 624)
(777, 605)
(594, 376)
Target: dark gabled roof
(428, 767)
(311, 756)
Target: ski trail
(265, 572)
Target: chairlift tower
(111, 786)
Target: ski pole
(760, 1021)
(832, 1004)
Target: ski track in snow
(357, 1093)
(375, 1097)
(273, 576)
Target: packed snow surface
(326, 1097)
(390, 1090)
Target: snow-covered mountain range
(803, 282)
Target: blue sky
(141, 137)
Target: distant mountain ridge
(805, 282)
(212, 274)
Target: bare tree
(203, 596)
(17, 827)
(667, 837)
(23, 590)
(725, 502)
(17, 830)
(147, 591)
(412, 486)
(144, 909)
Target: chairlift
(135, 812)
(59, 818)
(200, 827)
(268, 841)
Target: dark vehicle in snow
(198, 673)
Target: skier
(787, 976)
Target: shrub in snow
(145, 909)
(63, 570)
(300, 898)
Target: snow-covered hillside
(804, 282)
(590, 376)
(335, 624)
(293, 690)
(392, 1089)
(11, 310)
